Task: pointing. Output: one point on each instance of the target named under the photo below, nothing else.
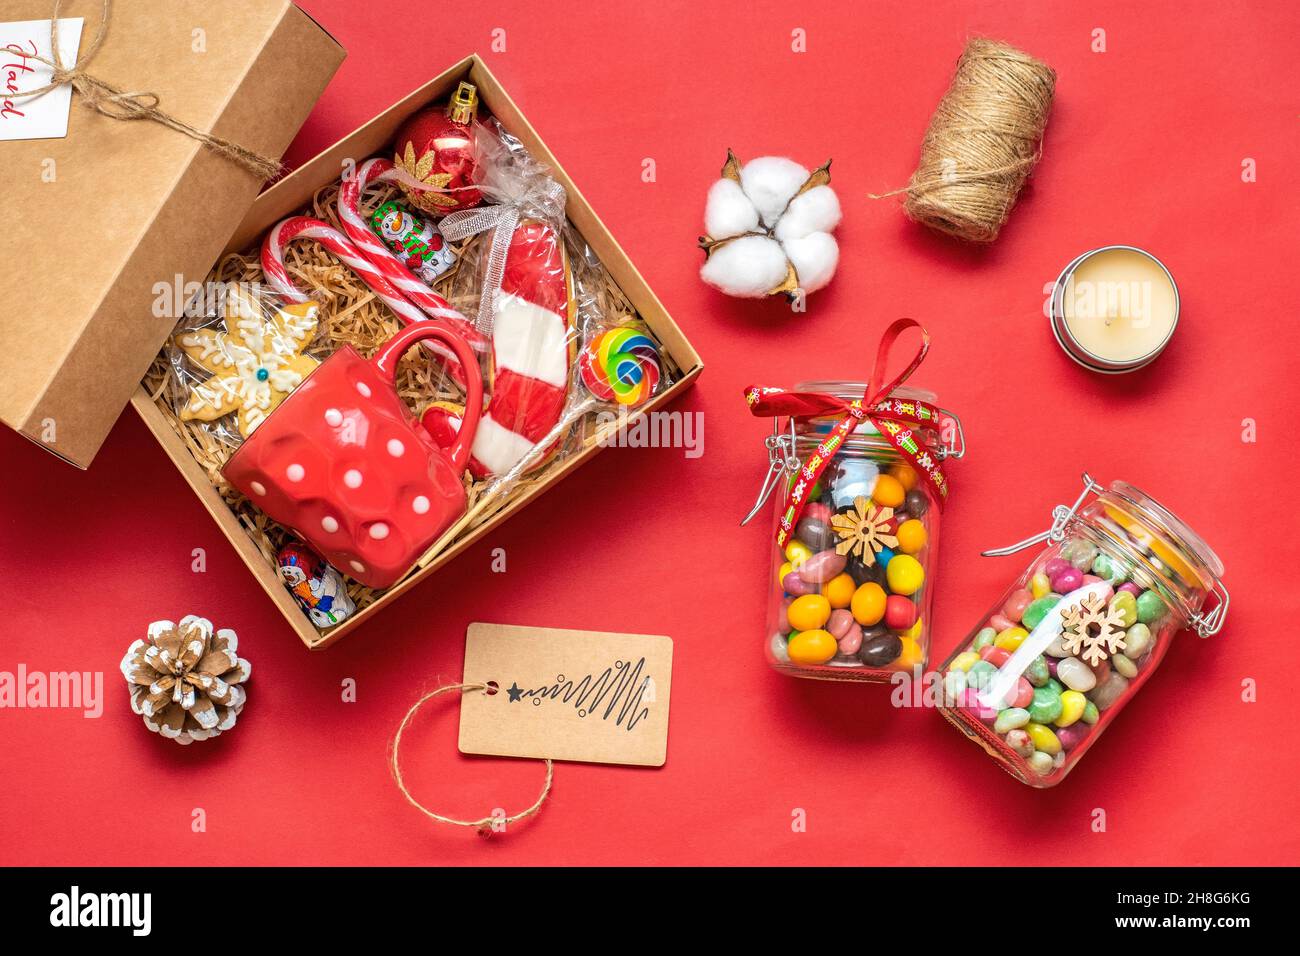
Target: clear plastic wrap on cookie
(238, 351)
(532, 285)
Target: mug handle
(386, 362)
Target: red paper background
(1145, 146)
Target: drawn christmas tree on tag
(621, 692)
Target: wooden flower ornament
(864, 529)
(185, 680)
(769, 225)
(1092, 630)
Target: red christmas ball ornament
(436, 147)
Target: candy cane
(532, 352)
(304, 227)
(531, 338)
(380, 256)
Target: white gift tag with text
(35, 117)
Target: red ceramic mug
(343, 462)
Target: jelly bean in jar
(1081, 630)
(852, 582)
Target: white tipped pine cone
(769, 226)
(185, 680)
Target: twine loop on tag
(108, 100)
(486, 825)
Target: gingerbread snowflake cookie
(256, 361)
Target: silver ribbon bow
(503, 218)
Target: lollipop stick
(620, 368)
(488, 496)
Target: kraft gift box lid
(97, 223)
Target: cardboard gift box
(99, 217)
(176, 248)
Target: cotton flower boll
(728, 211)
(769, 223)
(749, 267)
(817, 210)
(770, 182)
(814, 258)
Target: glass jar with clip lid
(856, 468)
(1080, 630)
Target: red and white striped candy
(305, 227)
(532, 353)
(380, 256)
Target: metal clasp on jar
(1205, 623)
(1209, 623)
(781, 460)
(1062, 519)
(958, 449)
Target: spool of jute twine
(485, 826)
(107, 100)
(984, 139)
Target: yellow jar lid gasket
(1156, 544)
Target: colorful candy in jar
(1098, 631)
(852, 578)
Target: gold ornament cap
(463, 103)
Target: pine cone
(185, 681)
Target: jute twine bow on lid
(984, 139)
(485, 825)
(108, 100)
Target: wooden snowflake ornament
(185, 680)
(1092, 630)
(863, 530)
(255, 363)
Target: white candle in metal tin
(1120, 305)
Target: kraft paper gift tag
(568, 695)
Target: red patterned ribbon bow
(892, 416)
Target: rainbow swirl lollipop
(621, 365)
